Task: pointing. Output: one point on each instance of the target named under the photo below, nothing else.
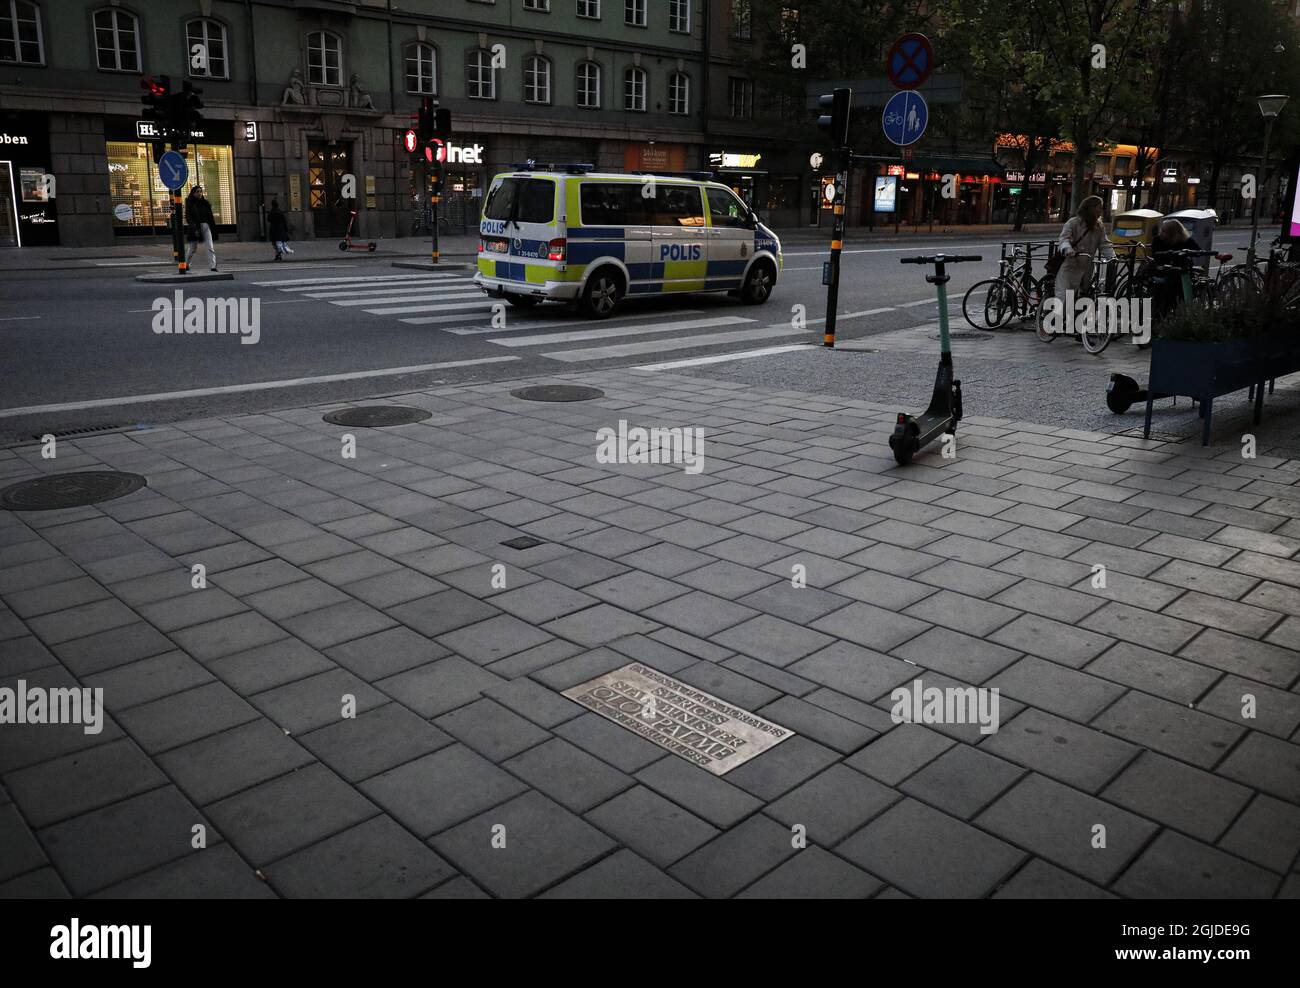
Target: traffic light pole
(837, 245)
(178, 232)
(434, 199)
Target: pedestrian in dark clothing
(202, 225)
(1167, 286)
(277, 228)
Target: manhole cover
(963, 336)
(377, 416)
(558, 392)
(522, 542)
(69, 490)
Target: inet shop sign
(457, 154)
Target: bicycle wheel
(989, 311)
(1046, 292)
(1096, 339)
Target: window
(740, 19)
(324, 59)
(678, 205)
(542, 5)
(725, 209)
(212, 36)
(139, 202)
(679, 16)
(480, 76)
(588, 85)
(117, 41)
(20, 33)
(537, 79)
(740, 97)
(634, 12)
(528, 200)
(421, 69)
(634, 89)
(679, 93)
(589, 8)
(612, 204)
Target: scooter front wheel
(343, 245)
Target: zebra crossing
(449, 302)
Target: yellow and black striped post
(837, 245)
(434, 199)
(178, 232)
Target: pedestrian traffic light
(435, 150)
(187, 108)
(411, 141)
(157, 93)
(441, 122)
(835, 116)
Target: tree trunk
(1077, 192)
(1216, 166)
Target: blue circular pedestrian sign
(905, 117)
(173, 170)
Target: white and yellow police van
(568, 234)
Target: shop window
(20, 33)
(537, 79)
(141, 203)
(588, 85)
(324, 59)
(589, 8)
(740, 97)
(421, 69)
(679, 16)
(634, 13)
(480, 76)
(679, 93)
(212, 37)
(117, 41)
(634, 89)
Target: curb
(430, 266)
(184, 278)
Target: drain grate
(963, 336)
(69, 490)
(558, 392)
(523, 542)
(377, 416)
(85, 430)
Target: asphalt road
(80, 350)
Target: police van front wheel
(758, 284)
(603, 293)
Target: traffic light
(441, 122)
(424, 127)
(186, 112)
(411, 141)
(157, 94)
(835, 116)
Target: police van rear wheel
(603, 293)
(758, 284)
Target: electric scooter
(347, 243)
(912, 432)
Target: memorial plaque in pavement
(709, 732)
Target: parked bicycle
(1014, 293)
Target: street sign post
(910, 61)
(173, 171)
(905, 117)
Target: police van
(566, 233)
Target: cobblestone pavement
(1147, 743)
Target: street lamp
(1269, 108)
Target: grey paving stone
(316, 701)
(579, 569)
(1265, 763)
(657, 653)
(832, 804)
(781, 768)
(818, 724)
(705, 795)
(1076, 755)
(622, 875)
(107, 845)
(351, 566)
(55, 596)
(85, 620)
(184, 717)
(218, 766)
(23, 655)
(1133, 624)
(268, 666)
(374, 741)
(22, 851)
(727, 579)
(386, 653)
(962, 780)
(459, 887)
(735, 858)
(338, 623)
(969, 659)
(439, 686)
(883, 590)
(82, 781)
(1040, 880)
(543, 601)
(567, 774)
(599, 624)
(928, 853)
(491, 730)
(814, 874)
(974, 581)
(442, 612)
(243, 581)
(1276, 711)
(373, 860)
(114, 647)
(1057, 823)
(535, 702)
(873, 627)
(650, 825)
(1178, 795)
(1267, 833)
(544, 843)
(636, 591)
(154, 587)
(1207, 579)
(43, 883)
(1074, 695)
(773, 640)
(611, 743)
(680, 641)
(1050, 639)
(195, 607)
(228, 635)
(699, 613)
(1177, 867)
(493, 639)
(218, 871)
(1256, 660)
(899, 753)
(962, 613)
(398, 586)
(1227, 615)
(727, 685)
(1153, 672)
(533, 660)
(857, 672)
(147, 679)
(1171, 728)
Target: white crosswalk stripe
(406, 297)
(618, 331)
(677, 343)
(517, 326)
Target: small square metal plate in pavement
(522, 542)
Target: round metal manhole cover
(963, 336)
(69, 490)
(558, 392)
(377, 416)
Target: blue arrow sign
(905, 117)
(173, 170)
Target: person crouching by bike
(1166, 284)
(1082, 238)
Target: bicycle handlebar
(944, 258)
(1182, 253)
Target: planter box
(1206, 371)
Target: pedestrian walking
(202, 225)
(1083, 233)
(277, 226)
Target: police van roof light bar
(572, 167)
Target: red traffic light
(435, 150)
(410, 141)
(155, 87)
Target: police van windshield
(525, 200)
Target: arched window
(634, 89)
(679, 93)
(537, 79)
(421, 69)
(206, 43)
(480, 76)
(117, 40)
(324, 59)
(588, 85)
(20, 33)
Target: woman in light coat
(1084, 233)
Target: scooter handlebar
(946, 258)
